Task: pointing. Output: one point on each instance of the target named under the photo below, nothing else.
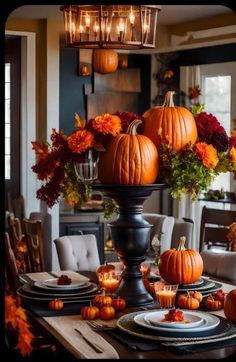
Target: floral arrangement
(231, 236)
(192, 169)
(55, 162)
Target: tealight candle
(165, 294)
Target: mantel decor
(110, 26)
(130, 234)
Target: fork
(99, 326)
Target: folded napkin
(64, 329)
(36, 277)
(77, 277)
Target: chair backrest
(14, 229)
(215, 227)
(11, 271)
(162, 227)
(77, 252)
(17, 206)
(35, 244)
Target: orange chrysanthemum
(80, 141)
(232, 155)
(73, 198)
(107, 124)
(207, 153)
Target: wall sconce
(110, 26)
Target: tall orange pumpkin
(130, 159)
(181, 266)
(105, 61)
(170, 124)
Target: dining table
(65, 326)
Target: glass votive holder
(110, 282)
(165, 294)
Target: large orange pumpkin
(230, 306)
(105, 61)
(130, 159)
(170, 124)
(181, 266)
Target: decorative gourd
(105, 61)
(213, 304)
(102, 300)
(170, 124)
(230, 306)
(130, 159)
(196, 294)
(219, 295)
(118, 303)
(181, 266)
(107, 313)
(56, 304)
(185, 301)
(89, 312)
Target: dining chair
(215, 227)
(11, 270)
(182, 227)
(35, 244)
(77, 252)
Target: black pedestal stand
(130, 234)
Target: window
(7, 123)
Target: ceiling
(170, 14)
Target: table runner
(63, 329)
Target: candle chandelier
(110, 26)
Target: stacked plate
(203, 285)
(49, 289)
(152, 325)
(194, 322)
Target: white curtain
(189, 77)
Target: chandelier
(110, 26)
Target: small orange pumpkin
(170, 124)
(181, 266)
(56, 304)
(196, 294)
(118, 303)
(185, 301)
(105, 61)
(105, 268)
(230, 306)
(130, 159)
(213, 304)
(89, 312)
(107, 313)
(102, 300)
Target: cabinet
(84, 223)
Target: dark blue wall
(71, 89)
(72, 97)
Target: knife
(96, 348)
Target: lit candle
(165, 294)
(95, 29)
(81, 29)
(131, 19)
(110, 283)
(87, 20)
(108, 33)
(121, 29)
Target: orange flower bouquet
(192, 169)
(59, 165)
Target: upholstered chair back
(77, 252)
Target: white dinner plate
(47, 284)
(74, 284)
(191, 320)
(209, 322)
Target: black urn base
(130, 234)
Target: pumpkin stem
(168, 102)
(132, 129)
(182, 241)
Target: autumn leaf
(80, 123)
(41, 149)
(21, 245)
